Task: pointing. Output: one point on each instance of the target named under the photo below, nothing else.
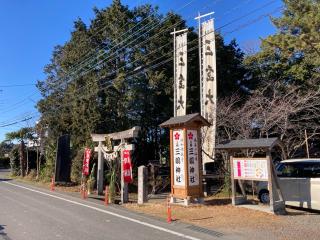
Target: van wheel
(264, 196)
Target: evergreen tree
(291, 57)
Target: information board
(178, 158)
(193, 160)
(250, 169)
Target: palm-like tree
(21, 135)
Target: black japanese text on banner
(193, 160)
(181, 74)
(209, 89)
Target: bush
(32, 175)
(15, 161)
(47, 171)
(76, 167)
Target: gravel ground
(221, 216)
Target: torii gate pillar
(100, 170)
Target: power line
(17, 85)
(14, 123)
(143, 69)
(147, 54)
(88, 60)
(159, 64)
(237, 19)
(113, 57)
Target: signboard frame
(251, 178)
(277, 204)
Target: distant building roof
(248, 143)
(183, 120)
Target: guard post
(254, 169)
(185, 157)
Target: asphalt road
(30, 213)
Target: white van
(299, 181)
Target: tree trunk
(27, 171)
(38, 165)
(22, 159)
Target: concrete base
(239, 200)
(186, 201)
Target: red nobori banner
(127, 166)
(86, 161)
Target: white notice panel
(250, 169)
(178, 158)
(193, 160)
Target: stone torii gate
(124, 137)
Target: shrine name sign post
(185, 157)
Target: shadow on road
(5, 179)
(3, 235)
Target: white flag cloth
(209, 89)
(181, 74)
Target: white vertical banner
(193, 160)
(178, 158)
(209, 89)
(180, 62)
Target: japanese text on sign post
(178, 158)
(86, 161)
(127, 166)
(193, 160)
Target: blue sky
(30, 29)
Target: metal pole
(174, 75)
(200, 64)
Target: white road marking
(110, 213)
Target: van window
(290, 170)
(311, 170)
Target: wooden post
(270, 178)
(233, 188)
(277, 205)
(172, 200)
(202, 191)
(186, 165)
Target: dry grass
(220, 215)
